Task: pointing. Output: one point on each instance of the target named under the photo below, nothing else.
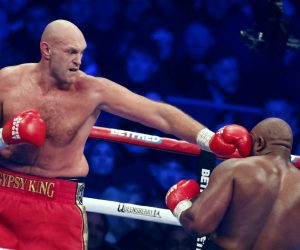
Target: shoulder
(98, 87)
(258, 167)
(95, 83)
(103, 86)
(9, 77)
(7, 71)
(16, 70)
(241, 165)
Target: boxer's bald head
(61, 30)
(62, 46)
(271, 134)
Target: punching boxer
(69, 102)
(249, 203)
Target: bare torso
(264, 212)
(69, 116)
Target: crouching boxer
(249, 203)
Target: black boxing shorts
(41, 213)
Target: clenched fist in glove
(27, 127)
(179, 195)
(231, 141)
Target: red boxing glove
(27, 127)
(231, 141)
(179, 195)
(295, 159)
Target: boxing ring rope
(150, 141)
(129, 210)
(155, 142)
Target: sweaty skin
(70, 101)
(252, 203)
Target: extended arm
(169, 119)
(164, 117)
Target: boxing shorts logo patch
(44, 188)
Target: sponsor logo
(200, 243)
(205, 173)
(44, 188)
(137, 136)
(15, 128)
(124, 208)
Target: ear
(260, 144)
(45, 50)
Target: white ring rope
(131, 211)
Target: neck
(47, 81)
(280, 150)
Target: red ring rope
(155, 142)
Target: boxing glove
(27, 127)
(295, 159)
(179, 195)
(231, 141)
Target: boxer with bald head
(249, 203)
(55, 94)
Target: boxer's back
(264, 213)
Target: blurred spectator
(141, 65)
(124, 192)
(35, 20)
(217, 10)
(223, 79)
(98, 228)
(164, 38)
(4, 27)
(8, 53)
(197, 43)
(137, 239)
(166, 173)
(89, 63)
(107, 35)
(102, 158)
(284, 109)
(106, 14)
(14, 9)
(141, 70)
(176, 238)
(78, 12)
(135, 11)
(155, 231)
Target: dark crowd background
(187, 53)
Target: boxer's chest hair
(64, 113)
(63, 116)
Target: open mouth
(73, 69)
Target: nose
(77, 60)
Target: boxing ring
(147, 213)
